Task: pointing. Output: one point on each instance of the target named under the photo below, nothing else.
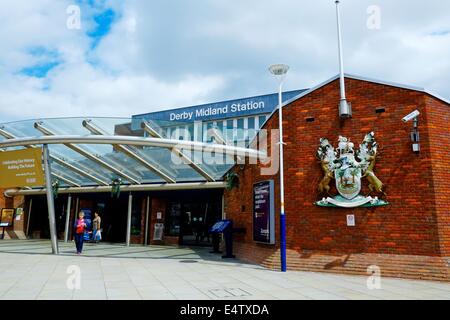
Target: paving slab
(117, 272)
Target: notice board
(264, 212)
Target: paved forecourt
(107, 271)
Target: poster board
(264, 212)
(7, 217)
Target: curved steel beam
(125, 188)
(135, 141)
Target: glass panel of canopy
(90, 165)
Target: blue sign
(219, 110)
(220, 226)
(264, 212)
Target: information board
(21, 168)
(264, 212)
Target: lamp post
(280, 70)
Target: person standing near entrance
(96, 228)
(80, 226)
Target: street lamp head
(279, 69)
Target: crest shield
(348, 180)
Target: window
(229, 135)
(262, 119)
(240, 129)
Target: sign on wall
(219, 110)
(21, 168)
(264, 212)
(7, 217)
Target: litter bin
(225, 227)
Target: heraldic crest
(348, 167)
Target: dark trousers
(79, 242)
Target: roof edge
(361, 78)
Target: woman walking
(80, 226)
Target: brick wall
(415, 222)
(439, 131)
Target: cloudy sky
(136, 56)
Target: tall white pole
(282, 212)
(280, 71)
(50, 200)
(344, 108)
(341, 53)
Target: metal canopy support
(147, 212)
(29, 216)
(130, 208)
(66, 180)
(50, 200)
(179, 153)
(62, 162)
(137, 141)
(125, 188)
(129, 152)
(81, 172)
(88, 155)
(66, 230)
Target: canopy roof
(88, 152)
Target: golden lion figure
(324, 185)
(375, 184)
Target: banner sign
(21, 168)
(214, 111)
(264, 212)
(7, 217)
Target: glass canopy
(75, 165)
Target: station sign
(21, 168)
(214, 111)
(264, 212)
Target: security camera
(411, 116)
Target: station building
(400, 228)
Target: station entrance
(187, 215)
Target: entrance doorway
(38, 219)
(191, 215)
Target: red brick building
(408, 238)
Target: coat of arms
(348, 167)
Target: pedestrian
(80, 226)
(97, 232)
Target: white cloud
(161, 55)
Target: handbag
(98, 236)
